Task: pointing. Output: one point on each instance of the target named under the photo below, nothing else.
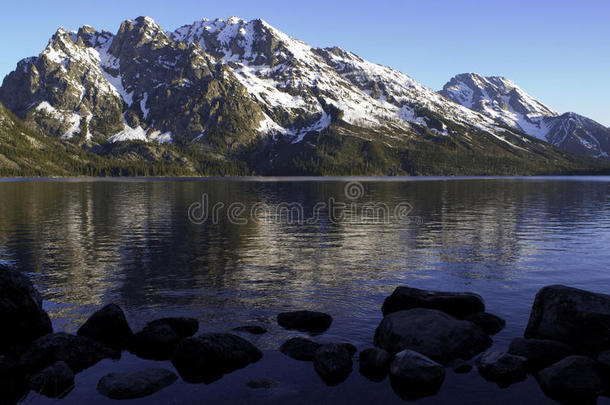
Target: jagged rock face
(242, 86)
(503, 101)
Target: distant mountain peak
(504, 101)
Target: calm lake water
(269, 245)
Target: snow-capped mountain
(237, 89)
(506, 103)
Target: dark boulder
(577, 317)
(460, 366)
(13, 385)
(488, 323)
(351, 349)
(137, 384)
(573, 380)
(21, 315)
(300, 348)
(333, 363)
(375, 363)
(305, 321)
(157, 342)
(502, 368)
(55, 381)
(432, 333)
(183, 327)
(252, 329)
(457, 304)
(603, 363)
(540, 353)
(108, 326)
(207, 357)
(78, 352)
(414, 375)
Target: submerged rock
(414, 375)
(77, 351)
(488, 323)
(108, 326)
(305, 321)
(252, 329)
(375, 363)
(603, 362)
(22, 318)
(577, 317)
(460, 366)
(55, 381)
(183, 327)
(502, 368)
(136, 384)
(157, 342)
(300, 348)
(457, 304)
(540, 353)
(333, 363)
(432, 333)
(207, 357)
(573, 380)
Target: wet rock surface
(414, 375)
(488, 323)
(156, 342)
(305, 321)
(77, 352)
(333, 363)
(457, 304)
(432, 333)
(577, 317)
(136, 384)
(502, 368)
(375, 363)
(54, 381)
(573, 380)
(207, 357)
(21, 315)
(183, 327)
(108, 326)
(540, 353)
(300, 348)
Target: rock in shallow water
(136, 384)
(488, 323)
(305, 321)
(573, 380)
(502, 368)
(333, 363)
(183, 327)
(263, 383)
(77, 351)
(300, 348)
(22, 318)
(157, 342)
(432, 333)
(54, 381)
(375, 363)
(457, 304)
(577, 317)
(108, 326)
(540, 353)
(414, 375)
(207, 357)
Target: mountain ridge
(504, 101)
(242, 91)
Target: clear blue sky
(558, 51)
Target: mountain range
(241, 97)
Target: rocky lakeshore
(423, 336)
